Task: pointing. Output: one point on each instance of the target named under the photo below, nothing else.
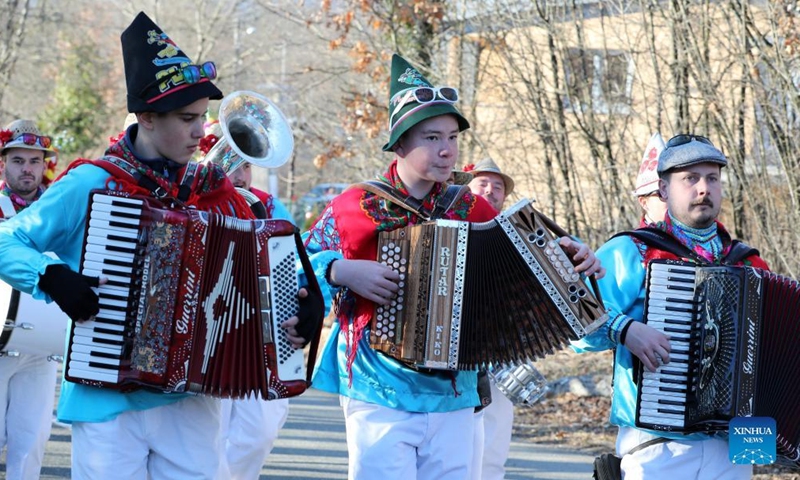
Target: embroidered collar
(19, 202)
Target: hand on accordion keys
(302, 328)
(372, 280)
(582, 257)
(651, 346)
(71, 291)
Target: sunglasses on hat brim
(683, 139)
(422, 95)
(189, 74)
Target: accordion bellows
(474, 294)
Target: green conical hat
(404, 78)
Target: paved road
(312, 445)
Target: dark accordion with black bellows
(193, 302)
(733, 337)
(472, 294)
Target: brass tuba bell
(253, 130)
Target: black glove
(71, 291)
(310, 315)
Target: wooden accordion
(472, 294)
(733, 334)
(193, 302)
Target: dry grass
(582, 422)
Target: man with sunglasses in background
(138, 434)
(690, 181)
(27, 381)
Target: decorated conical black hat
(155, 70)
(405, 78)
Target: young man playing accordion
(140, 434)
(401, 423)
(690, 182)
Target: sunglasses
(190, 73)
(679, 140)
(422, 95)
(33, 139)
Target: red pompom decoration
(5, 136)
(207, 143)
(469, 167)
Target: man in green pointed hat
(400, 421)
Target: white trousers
(674, 460)
(498, 421)
(27, 392)
(175, 441)
(249, 428)
(386, 444)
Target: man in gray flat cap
(689, 170)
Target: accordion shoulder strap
(413, 205)
(738, 252)
(660, 239)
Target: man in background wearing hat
(490, 183)
(689, 169)
(27, 381)
(646, 192)
(139, 434)
(494, 423)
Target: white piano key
(91, 333)
(102, 198)
(85, 357)
(109, 217)
(98, 266)
(93, 350)
(105, 223)
(82, 370)
(663, 419)
(91, 343)
(661, 407)
(112, 209)
(106, 232)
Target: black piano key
(107, 341)
(114, 248)
(113, 356)
(113, 307)
(106, 330)
(117, 283)
(119, 263)
(672, 372)
(103, 366)
(119, 274)
(672, 389)
(117, 213)
(668, 401)
(109, 321)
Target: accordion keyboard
(670, 309)
(112, 251)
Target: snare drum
(31, 326)
(522, 383)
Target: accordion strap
(660, 239)
(413, 205)
(313, 285)
(654, 237)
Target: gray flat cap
(690, 153)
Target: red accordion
(193, 303)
